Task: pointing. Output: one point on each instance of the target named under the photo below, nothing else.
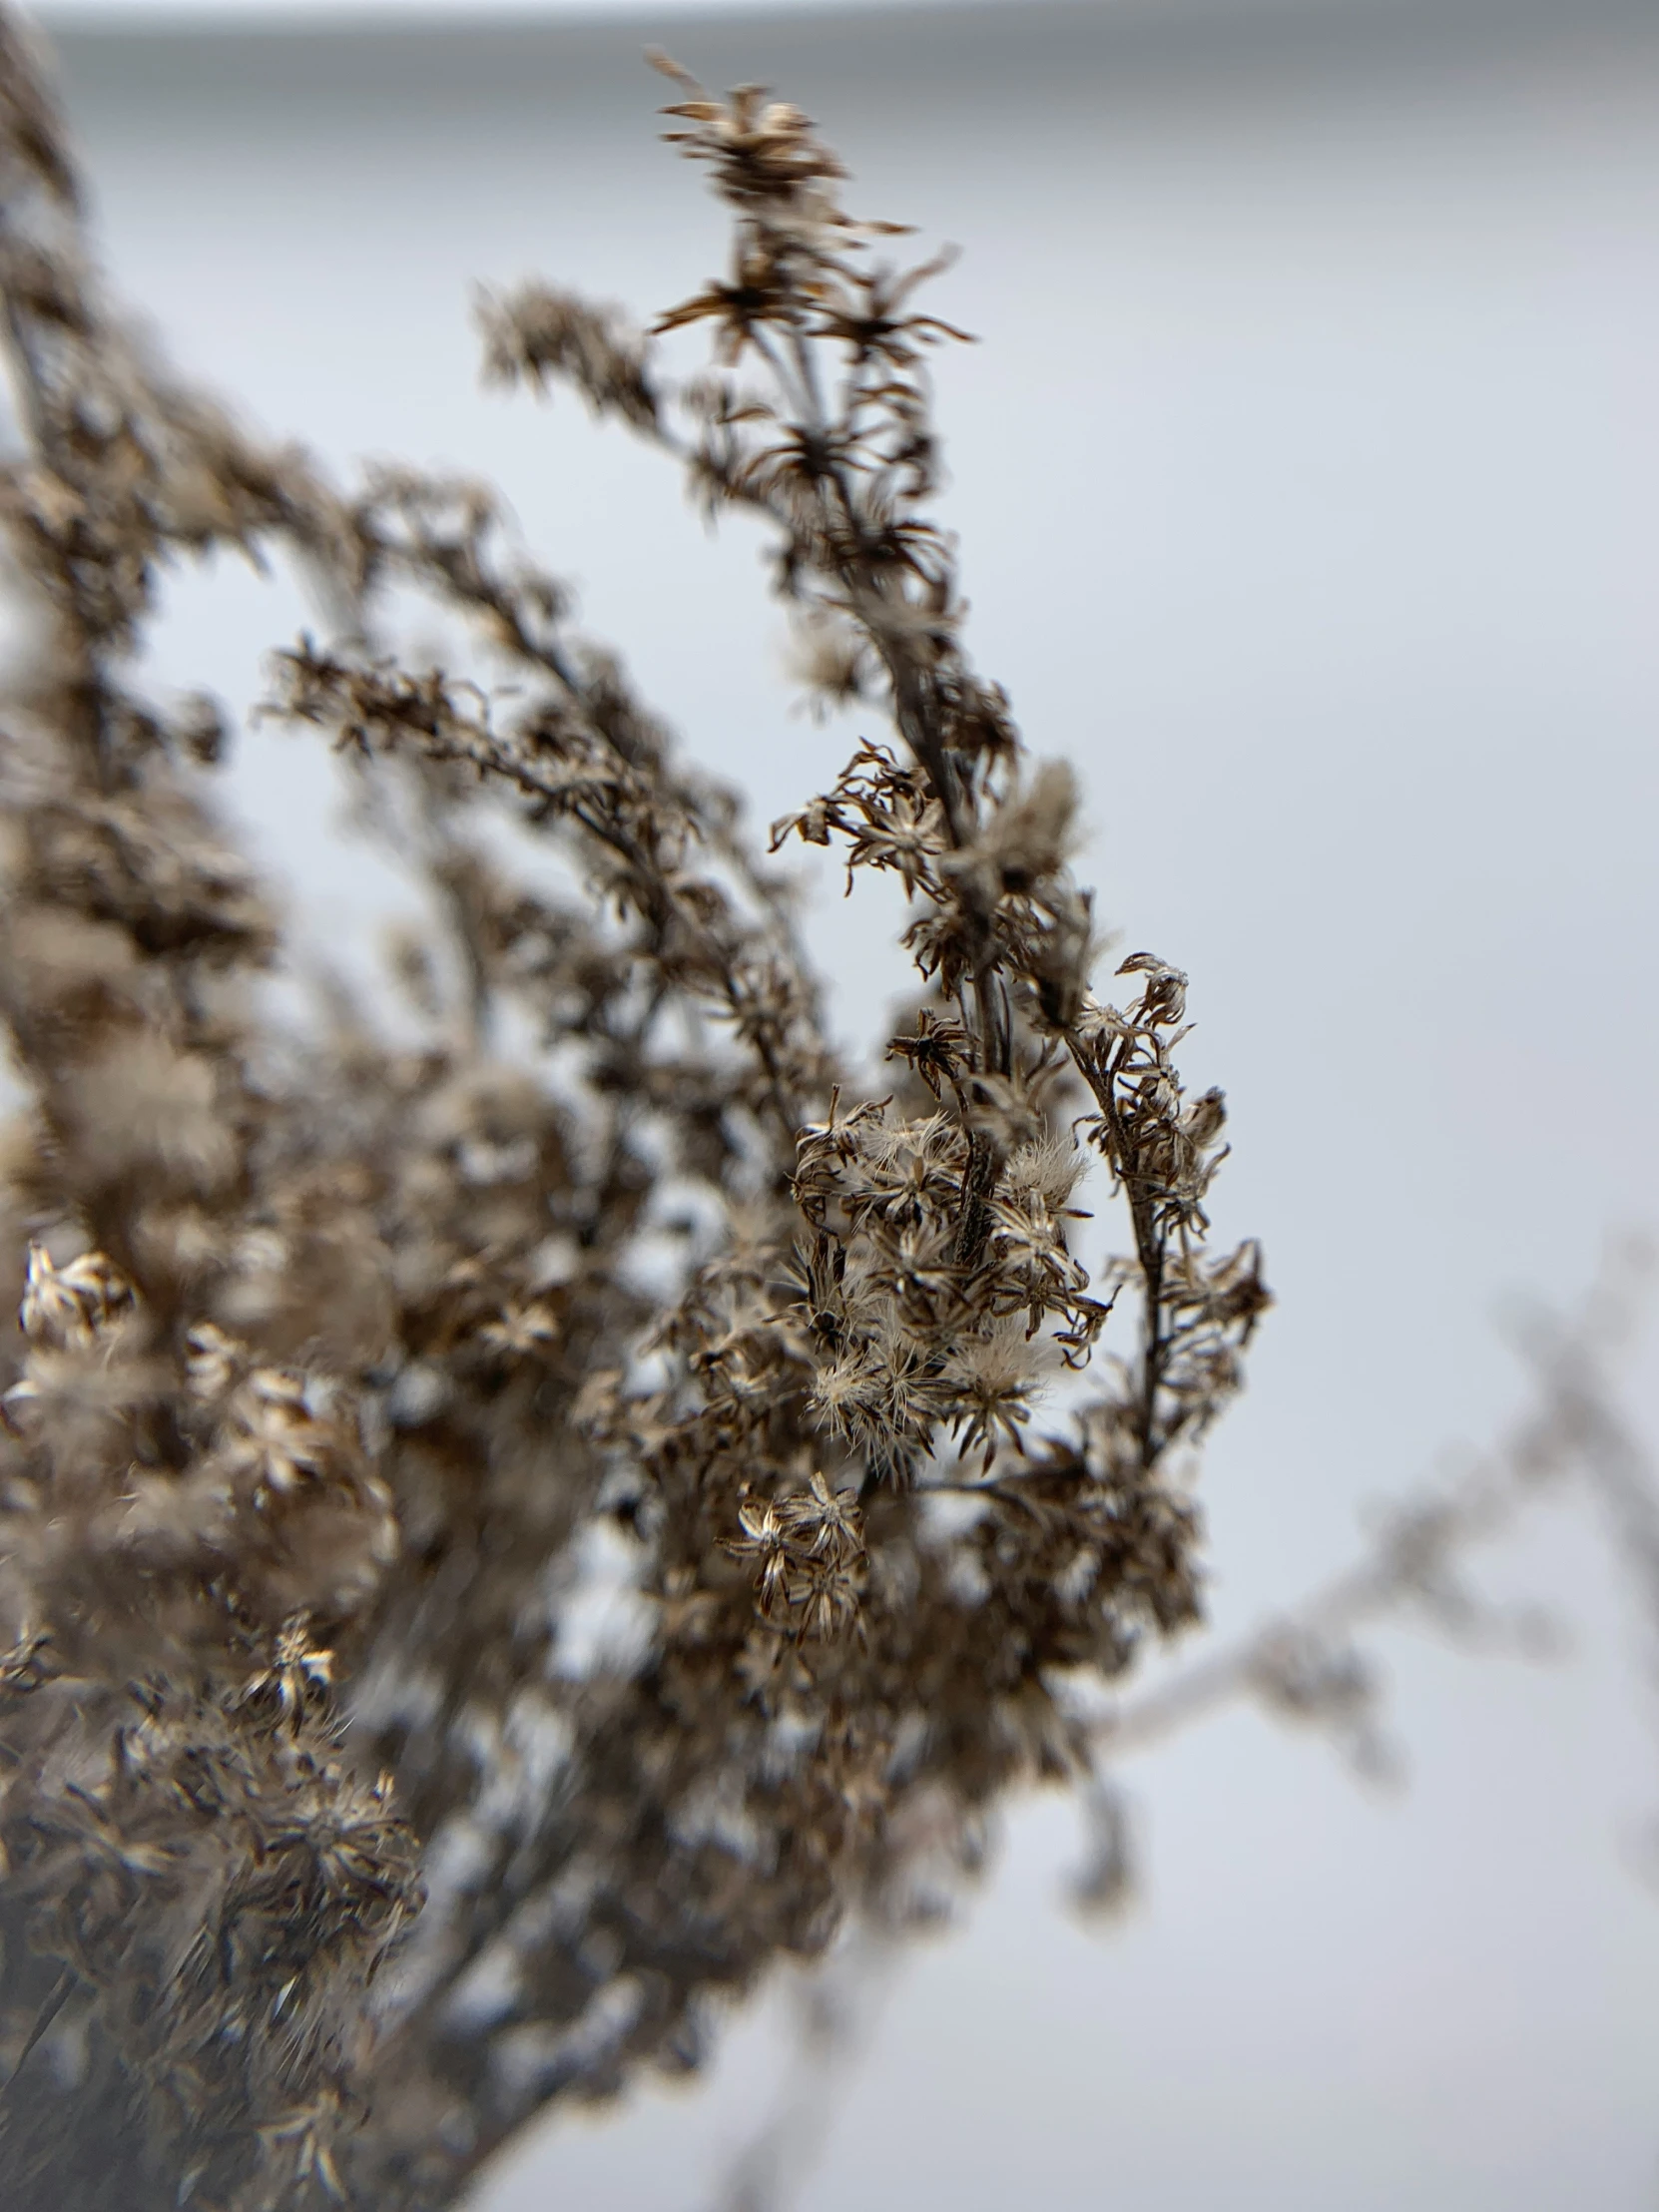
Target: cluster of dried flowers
(348, 1362)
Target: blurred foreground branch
(1306, 1664)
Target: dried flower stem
(349, 1368)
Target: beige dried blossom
(807, 1549)
(75, 1304)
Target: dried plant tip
(535, 334)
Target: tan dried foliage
(346, 1362)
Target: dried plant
(357, 1360)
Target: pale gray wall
(1306, 480)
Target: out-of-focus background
(1308, 478)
